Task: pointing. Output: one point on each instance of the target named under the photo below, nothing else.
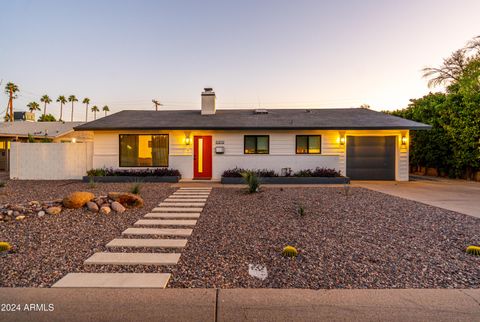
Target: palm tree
(33, 106)
(62, 100)
(105, 109)
(11, 89)
(95, 110)
(72, 99)
(45, 99)
(86, 101)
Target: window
(309, 144)
(256, 144)
(143, 150)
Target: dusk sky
(267, 54)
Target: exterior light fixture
(342, 140)
(404, 140)
(187, 139)
(74, 140)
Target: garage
(371, 157)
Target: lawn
(365, 240)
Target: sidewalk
(242, 305)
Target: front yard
(368, 240)
(365, 240)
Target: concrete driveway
(457, 195)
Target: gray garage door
(371, 157)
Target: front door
(202, 157)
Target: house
(361, 143)
(25, 130)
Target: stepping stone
(179, 209)
(168, 222)
(184, 204)
(148, 243)
(114, 280)
(187, 193)
(169, 215)
(185, 200)
(133, 259)
(158, 231)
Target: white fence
(50, 161)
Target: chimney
(208, 101)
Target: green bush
(135, 189)
(252, 181)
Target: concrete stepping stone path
(181, 208)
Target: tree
(45, 99)
(47, 118)
(11, 89)
(33, 106)
(86, 101)
(62, 100)
(72, 99)
(106, 109)
(95, 110)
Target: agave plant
(252, 181)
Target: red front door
(202, 157)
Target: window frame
(140, 166)
(256, 143)
(308, 143)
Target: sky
(267, 54)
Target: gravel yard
(368, 240)
(49, 247)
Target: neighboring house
(361, 143)
(20, 131)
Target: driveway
(457, 195)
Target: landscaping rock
(41, 213)
(54, 210)
(91, 206)
(105, 210)
(126, 199)
(21, 217)
(116, 206)
(10, 212)
(77, 199)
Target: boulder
(91, 206)
(116, 206)
(77, 199)
(105, 210)
(54, 210)
(126, 199)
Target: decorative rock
(105, 210)
(126, 199)
(21, 217)
(116, 206)
(41, 213)
(10, 212)
(16, 213)
(54, 210)
(77, 199)
(91, 206)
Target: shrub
(158, 172)
(474, 250)
(289, 251)
(4, 246)
(301, 210)
(317, 172)
(237, 172)
(251, 180)
(136, 188)
(91, 182)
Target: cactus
(474, 250)
(301, 210)
(4, 246)
(289, 251)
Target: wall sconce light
(404, 140)
(187, 139)
(342, 140)
(74, 140)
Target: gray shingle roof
(37, 129)
(340, 119)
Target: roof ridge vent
(260, 111)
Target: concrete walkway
(457, 195)
(145, 305)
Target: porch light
(404, 140)
(187, 139)
(74, 140)
(342, 140)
